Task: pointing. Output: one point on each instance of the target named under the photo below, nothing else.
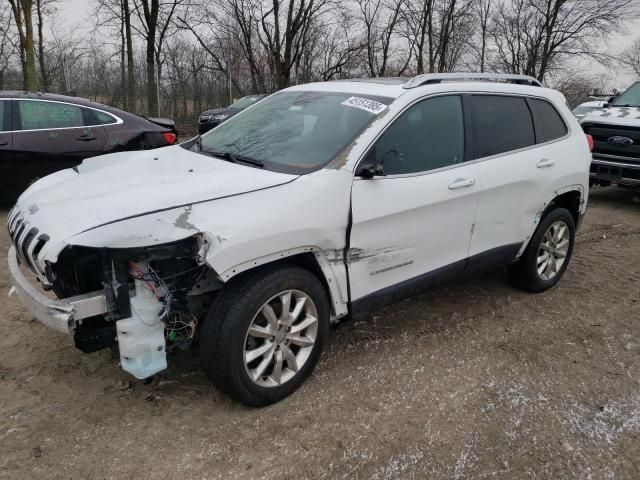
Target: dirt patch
(474, 380)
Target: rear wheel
(265, 334)
(547, 256)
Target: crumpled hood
(625, 116)
(112, 187)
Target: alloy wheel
(280, 338)
(553, 250)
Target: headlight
(204, 118)
(219, 117)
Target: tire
(229, 348)
(526, 272)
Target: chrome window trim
(118, 119)
(470, 162)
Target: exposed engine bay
(155, 298)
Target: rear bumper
(614, 171)
(61, 315)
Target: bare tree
(156, 20)
(533, 36)
(483, 9)
(23, 18)
(381, 20)
(631, 57)
(43, 8)
(8, 46)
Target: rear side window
(427, 136)
(549, 123)
(96, 117)
(500, 124)
(37, 114)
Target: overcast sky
(77, 15)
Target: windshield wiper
(230, 157)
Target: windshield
(244, 102)
(295, 132)
(630, 97)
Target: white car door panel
(406, 227)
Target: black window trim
(466, 105)
(17, 120)
(537, 145)
(537, 121)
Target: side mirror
(611, 99)
(369, 168)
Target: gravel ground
(475, 380)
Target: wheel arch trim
(328, 265)
(553, 201)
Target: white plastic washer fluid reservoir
(141, 336)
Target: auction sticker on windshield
(365, 104)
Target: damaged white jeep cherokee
(322, 201)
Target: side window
(35, 114)
(96, 117)
(549, 123)
(500, 124)
(429, 135)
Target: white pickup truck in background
(616, 133)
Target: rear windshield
(295, 132)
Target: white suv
(320, 202)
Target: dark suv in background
(44, 133)
(212, 118)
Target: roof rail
(431, 78)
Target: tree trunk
(44, 76)
(131, 79)
(22, 14)
(30, 82)
(123, 81)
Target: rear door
(51, 136)
(516, 176)
(7, 162)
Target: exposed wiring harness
(180, 324)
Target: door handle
(544, 163)
(87, 138)
(462, 183)
(4, 143)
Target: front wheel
(265, 334)
(547, 256)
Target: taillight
(590, 142)
(170, 137)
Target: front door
(412, 227)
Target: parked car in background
(616, 133)
(212, 118)
(44, 133)
(324, 200)
(583, 109)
